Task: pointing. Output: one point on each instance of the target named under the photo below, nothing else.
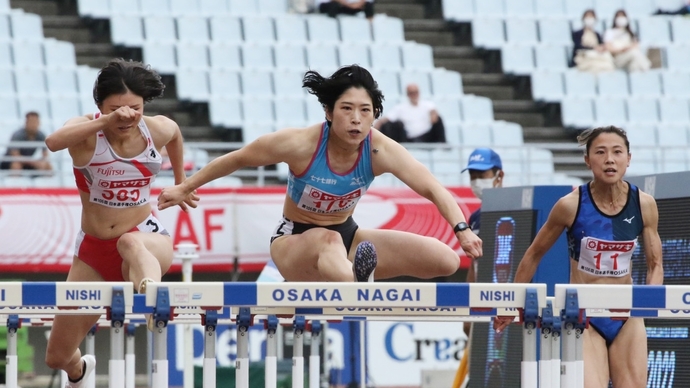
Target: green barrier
(225, 377)
(25, 352)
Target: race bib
(606, 258)
(319, 201)
(122, 193)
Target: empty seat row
(17, 25)
(37, 54)
(584, 112)
(40, 82)
(200, 85)
(103, 9)
(553, 86)
(166, 57)
(134, 30)
(53, 110)
(467, 10)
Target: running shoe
(150, 323)
(365, 262)
(89, 367)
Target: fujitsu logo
(110, 171)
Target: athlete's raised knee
(449, 264)
(127, 243)
(56, 360)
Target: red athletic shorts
(102, 255)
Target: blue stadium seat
(192, 29)
(289, 56)
(9, 111)
(257, 55)
(6, 55)
(674, 110)
(488, 33)
(256, 83)
(580, 84)
(519, 8)
(521, 31)
(449, 110)
(124, 7)
(5, 6)
(387, 29)
(63, 108)
(126, 31)
(517, 59)
(654, 31)
(610, 111)
(672, 136)
(30, 81)
(192, 56)
(192, 85)
(605, 9)
(225, 112)
(315, 112)
(417, 56)
(243, 7)
(322, 58)
(613, 84)
(547, 85)
(681, 30)
(354, 30)
(421, 78)
(323, 29)
(673, 160)
(62, 82)
(88, 106)
(86, 77)
(209, 8)
(476, 135)
(226, 29)
(476, 109)
(26, 26)
(291, 29)
(27, 54)
(445, 83)
(224, 83)
(258, 29)
(154, 8)
(643, 110)
(539, 161)
(272, 7)
(555, 31)
(551, 57)
(290, 112)
(577, 112)
(28, 103)
(288, 83)
(639, 8)
(5, 31)
(159, 29)
(678, 57)
(161, 56)
(446, 166)
(257, 110)
(95, 9)
(59, 54)
(184, 8)
(676, 84)
(506, 134)
(7, 88)
(645, 84)
(489, 8)
(458, 10)
(351, 53)
(385, 57)
(389, 83)
(549, 8)
(641, 135)
(575, 8)
(225, 56)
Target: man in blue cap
(486, 172)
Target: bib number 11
(613, 257)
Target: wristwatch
(460, 227)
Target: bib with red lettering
(605, 258)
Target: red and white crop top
(118, 182)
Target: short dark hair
(32, 113)
(587, 136)
(328, 90)
(118, 76)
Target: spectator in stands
(348, 7)
(413, 121)
(30, 132)
(684, 10)
(589, 52)
(622, 43)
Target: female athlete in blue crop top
(331, 166)
(604, 219)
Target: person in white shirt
(348, 7)
(622, 43)
(413, 121)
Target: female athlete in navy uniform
(116, 156)
(604, 219)
(331, 166)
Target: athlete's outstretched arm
(79, 129)
(652, 241)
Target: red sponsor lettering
(320, 195)
(184, 230)
(615, 246)
(125, 184)
(208, 213)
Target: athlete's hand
(190, 200)
(470, 243)
(177, 195)
(123, 116)
(501, 323)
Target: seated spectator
(348, 7)
(589, 53)
(30, 132)
(623, 45)
(413, 121)
(684, 10)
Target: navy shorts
(347, 230)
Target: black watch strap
(460, 227)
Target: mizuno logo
(629, 220)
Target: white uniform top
(118, 182)
(416, 118)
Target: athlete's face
(352, 115)
(608, 158)
(115, 101)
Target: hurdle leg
(573, 328)
(545, 358)
(11, 371)
(161, 316)
(116, 365)
(314, 357)
(529, 365)
(90, 347)
(271, 371)
(242, 364)
(556, 354)
(298, 352)
(210, 321)
(130, 358)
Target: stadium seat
(521, 31)
(580, 84)
(62, 82)
(551, 57)
(322, 58)
(22, 182)
(575, 8)
(654, 31)
(476, 109)
(95, 9)
(645, 84)
(289, 56)
(124, 7)
(257, 55)
(674, 110)
(315, 112)
(389, 83)
(672, 135)
(256, 83)
(86, 78)
(676, 84)
(421, 78)
(517, 59)
(506, 134)
(673, 160)
(449, 110)
(351, 53)
(489, 8)
(488, 33)
(555, 31)
(159, 29)
(539, 161)
(288, 83)
(458, 10)
(63, 108)
(6, 55)
(9, 110)
(291, 29)
(258, 29)
(605, 9)
(354, 30)
(547, 85)
(643, 162)
(5, 6)
(209, 8)
(289, 112)
(272, 7)
(251, 130)
(30, 81)
(387, 29)
(678, 56)
(226, 29)
(192, 29)
(476, 135)
(192, 84)
(445, 83)
(417, 56)
(161, 56)
(126, 31)
(519, 8)
(243, 7)
(446, 166)
(680, 30)
(613, 84)
(225, 112)
(322, 29)
(28, 103)
(5, 31)
(184, 8)
(27, 54)
(26, 26)
(154, 8)
(7, 83)
(639, 8)
(225, 83)
(610, 111)
(643, 110)
(385, 56)
(59, 54)
(192, 56)
(225, 56)
(549, 8)
(87, 105)
(577, 112)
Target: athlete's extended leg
(628, 355)
(596, 359)
(144, 255)
(408, 254)
(69, 330)
(315, 255)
